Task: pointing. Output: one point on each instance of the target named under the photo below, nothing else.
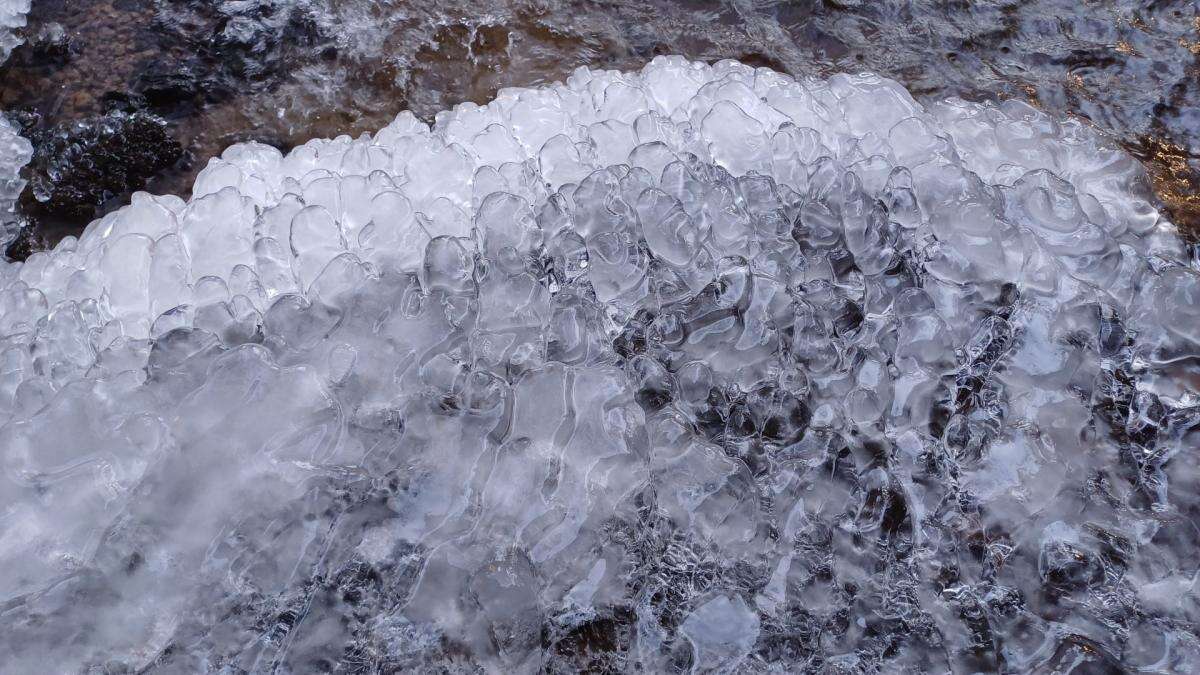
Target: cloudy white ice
(695, 368)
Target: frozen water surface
(699, 368)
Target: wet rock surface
(284, 71)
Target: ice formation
(15, 151)
(697, 368)
(12, 20)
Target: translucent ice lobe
(722, 633)
(696, 368)
(668, 229)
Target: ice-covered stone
(696, 368)
(15, 151)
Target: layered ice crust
(685, 353)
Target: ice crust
(15, 151)
(700, 367)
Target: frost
(695, 368)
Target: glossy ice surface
(693, 368)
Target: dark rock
(78, 168)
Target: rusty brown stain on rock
(1175, 181)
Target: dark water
(123, 95)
